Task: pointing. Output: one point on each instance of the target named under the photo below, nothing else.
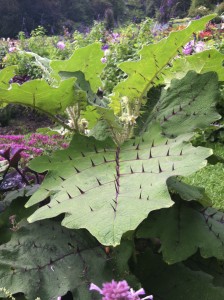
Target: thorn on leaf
(160, 169)
(69, 196)
(81, 191)
(95, 149)
(93, 165)
(99, 182)
(76, 170)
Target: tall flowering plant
(119, 291)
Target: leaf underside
(86, 60)
(110, 190)
(184, 229)
(39, 94)
(177, 281)
(188, 104)
(206, 61)
(146, 72)
(45, 260)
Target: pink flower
(199, 47)
(12, 49)
(61, 45)
(118, 291)
(65, 145)
(188, 48)
(103, 60)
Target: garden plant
(111, 215)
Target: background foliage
(24, 15)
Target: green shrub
(220, 8)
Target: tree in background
(10, 19)
(197, 7)
(162, 9)
(26, 15)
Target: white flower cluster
(7, 293)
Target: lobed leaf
(184, 229)
(143, 74)
(87, 60)
(188, 192)
(175, 282)
(110, 190)
(45, 260)
(5, 75)
(188, 104)
(39, 94)
(206, 61)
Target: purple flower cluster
(105, 47)
(61, 45)
(193, 47)
(33, 145)
(115, 37)
(119, 291)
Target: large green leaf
(45, 260)
(5, 75)
(154, 59)
(211, 179)
(206, 61)
(188, 192)
(13, 208)
(39, 94)
(188, 104)
(109, 190)
(183, 229)
(176, 282)
(86, 60)
(82, 85)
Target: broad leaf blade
(154, 59)
(184, 229)
(206, 61)
(45, 260)
(110, 190)
(188, 104)
(5, 75)
(188, 192)
(175, 282)
(39, 94)
(86, 60)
